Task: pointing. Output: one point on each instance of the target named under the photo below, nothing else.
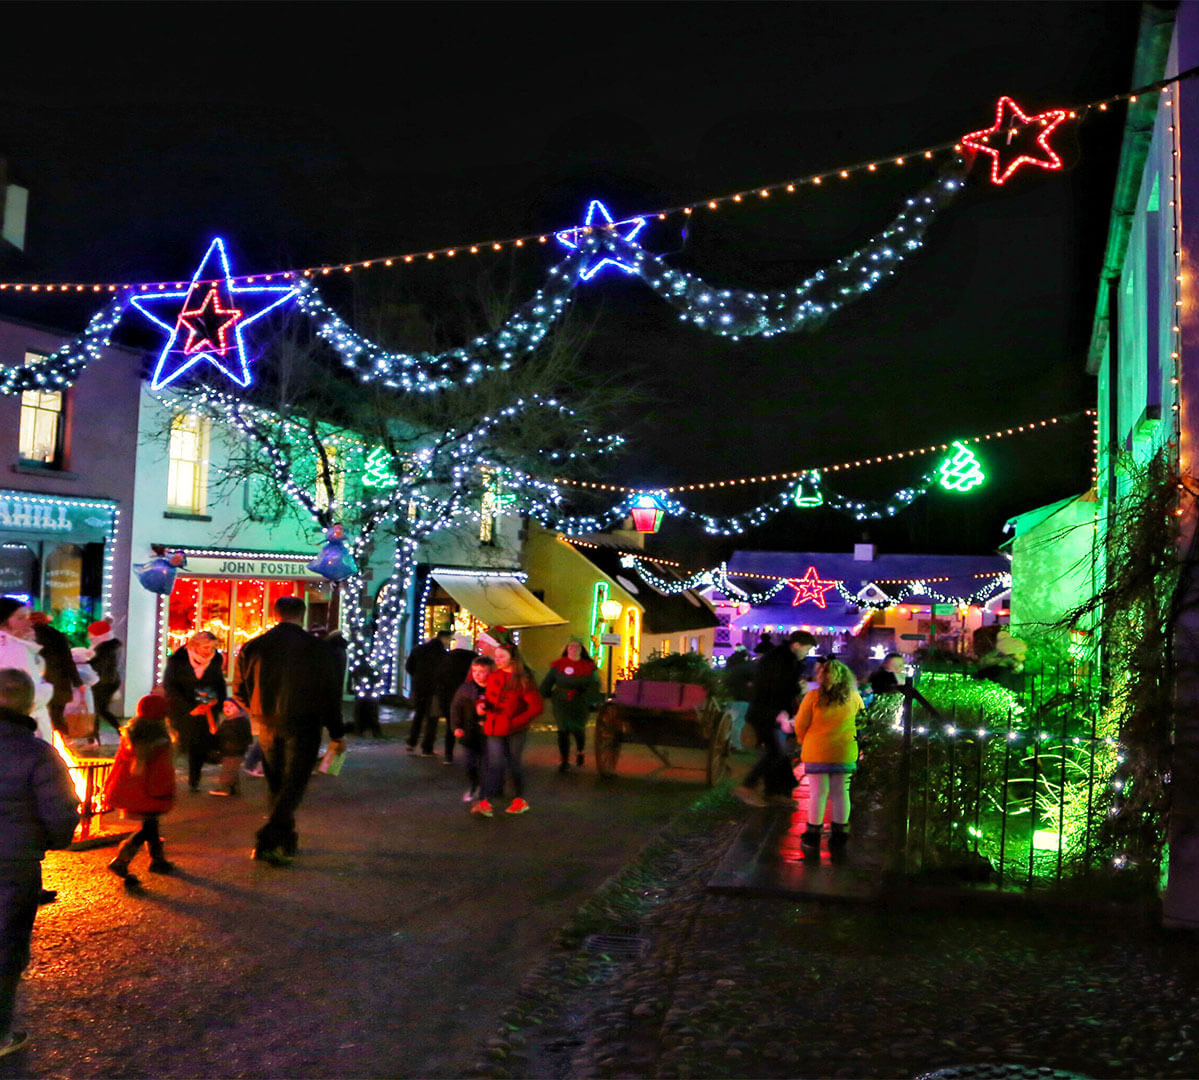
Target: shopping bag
(78, 716)
(332, 762)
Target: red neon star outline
(201, 337)
(810, 587)
(1049, 120)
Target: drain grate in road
(616, 946)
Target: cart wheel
(719, 749)
(607, 741)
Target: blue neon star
(206, 321)
(570, 238)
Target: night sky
(313, 133)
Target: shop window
(632, 641)
(337, 478)
(187, 474)
(62, 581)
(18, 570)
(42, 425)
(235, 609)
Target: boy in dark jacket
(38, 810)
(466, 722)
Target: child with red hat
(142, 783)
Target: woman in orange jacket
(508, 706)
(826, 729)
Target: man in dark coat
(287, 680)
(424, 667)
(889, 678)
(60, 671)
(776, 690)
(38, 810)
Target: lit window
(488, 507)
(187, 477)
(336, 475)
(40, 439)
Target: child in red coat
(142, 783)
(510, 703)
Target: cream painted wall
(568, 581)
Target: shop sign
(232, 566)
(40, 515)
(34, 516)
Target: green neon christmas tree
(807, 491)
(378, 470)
(962, 470)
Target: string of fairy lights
(792, 186)
(842, 466)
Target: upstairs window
(337, 480)
(187, 476)
(40, 440)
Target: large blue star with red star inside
(1014, 138)
(205, 323)
(810, 587)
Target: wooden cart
(663, 714)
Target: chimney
(863, 553)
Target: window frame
(199, 463)
(36, 409)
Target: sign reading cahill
(18, 513)
(264, 567)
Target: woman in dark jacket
(195, 689)
(572, 687)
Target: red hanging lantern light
(647, 512)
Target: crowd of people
(489, 703)
(285, 690)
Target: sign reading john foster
(253, 566)
(76, 520)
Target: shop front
(56, 553)
(232, 595)
(468, 602)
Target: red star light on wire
(810, 587)
(1009, 141)
(207, 325)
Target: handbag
(78, 715)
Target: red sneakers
(482, 807)
(519, 806)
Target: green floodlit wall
(1052, 565)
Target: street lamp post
(610, 612)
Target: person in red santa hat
(105, 661)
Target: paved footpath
(390, 948)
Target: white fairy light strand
(62, 367)
(739, 313)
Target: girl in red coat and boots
(508, 706)
(142, 783)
